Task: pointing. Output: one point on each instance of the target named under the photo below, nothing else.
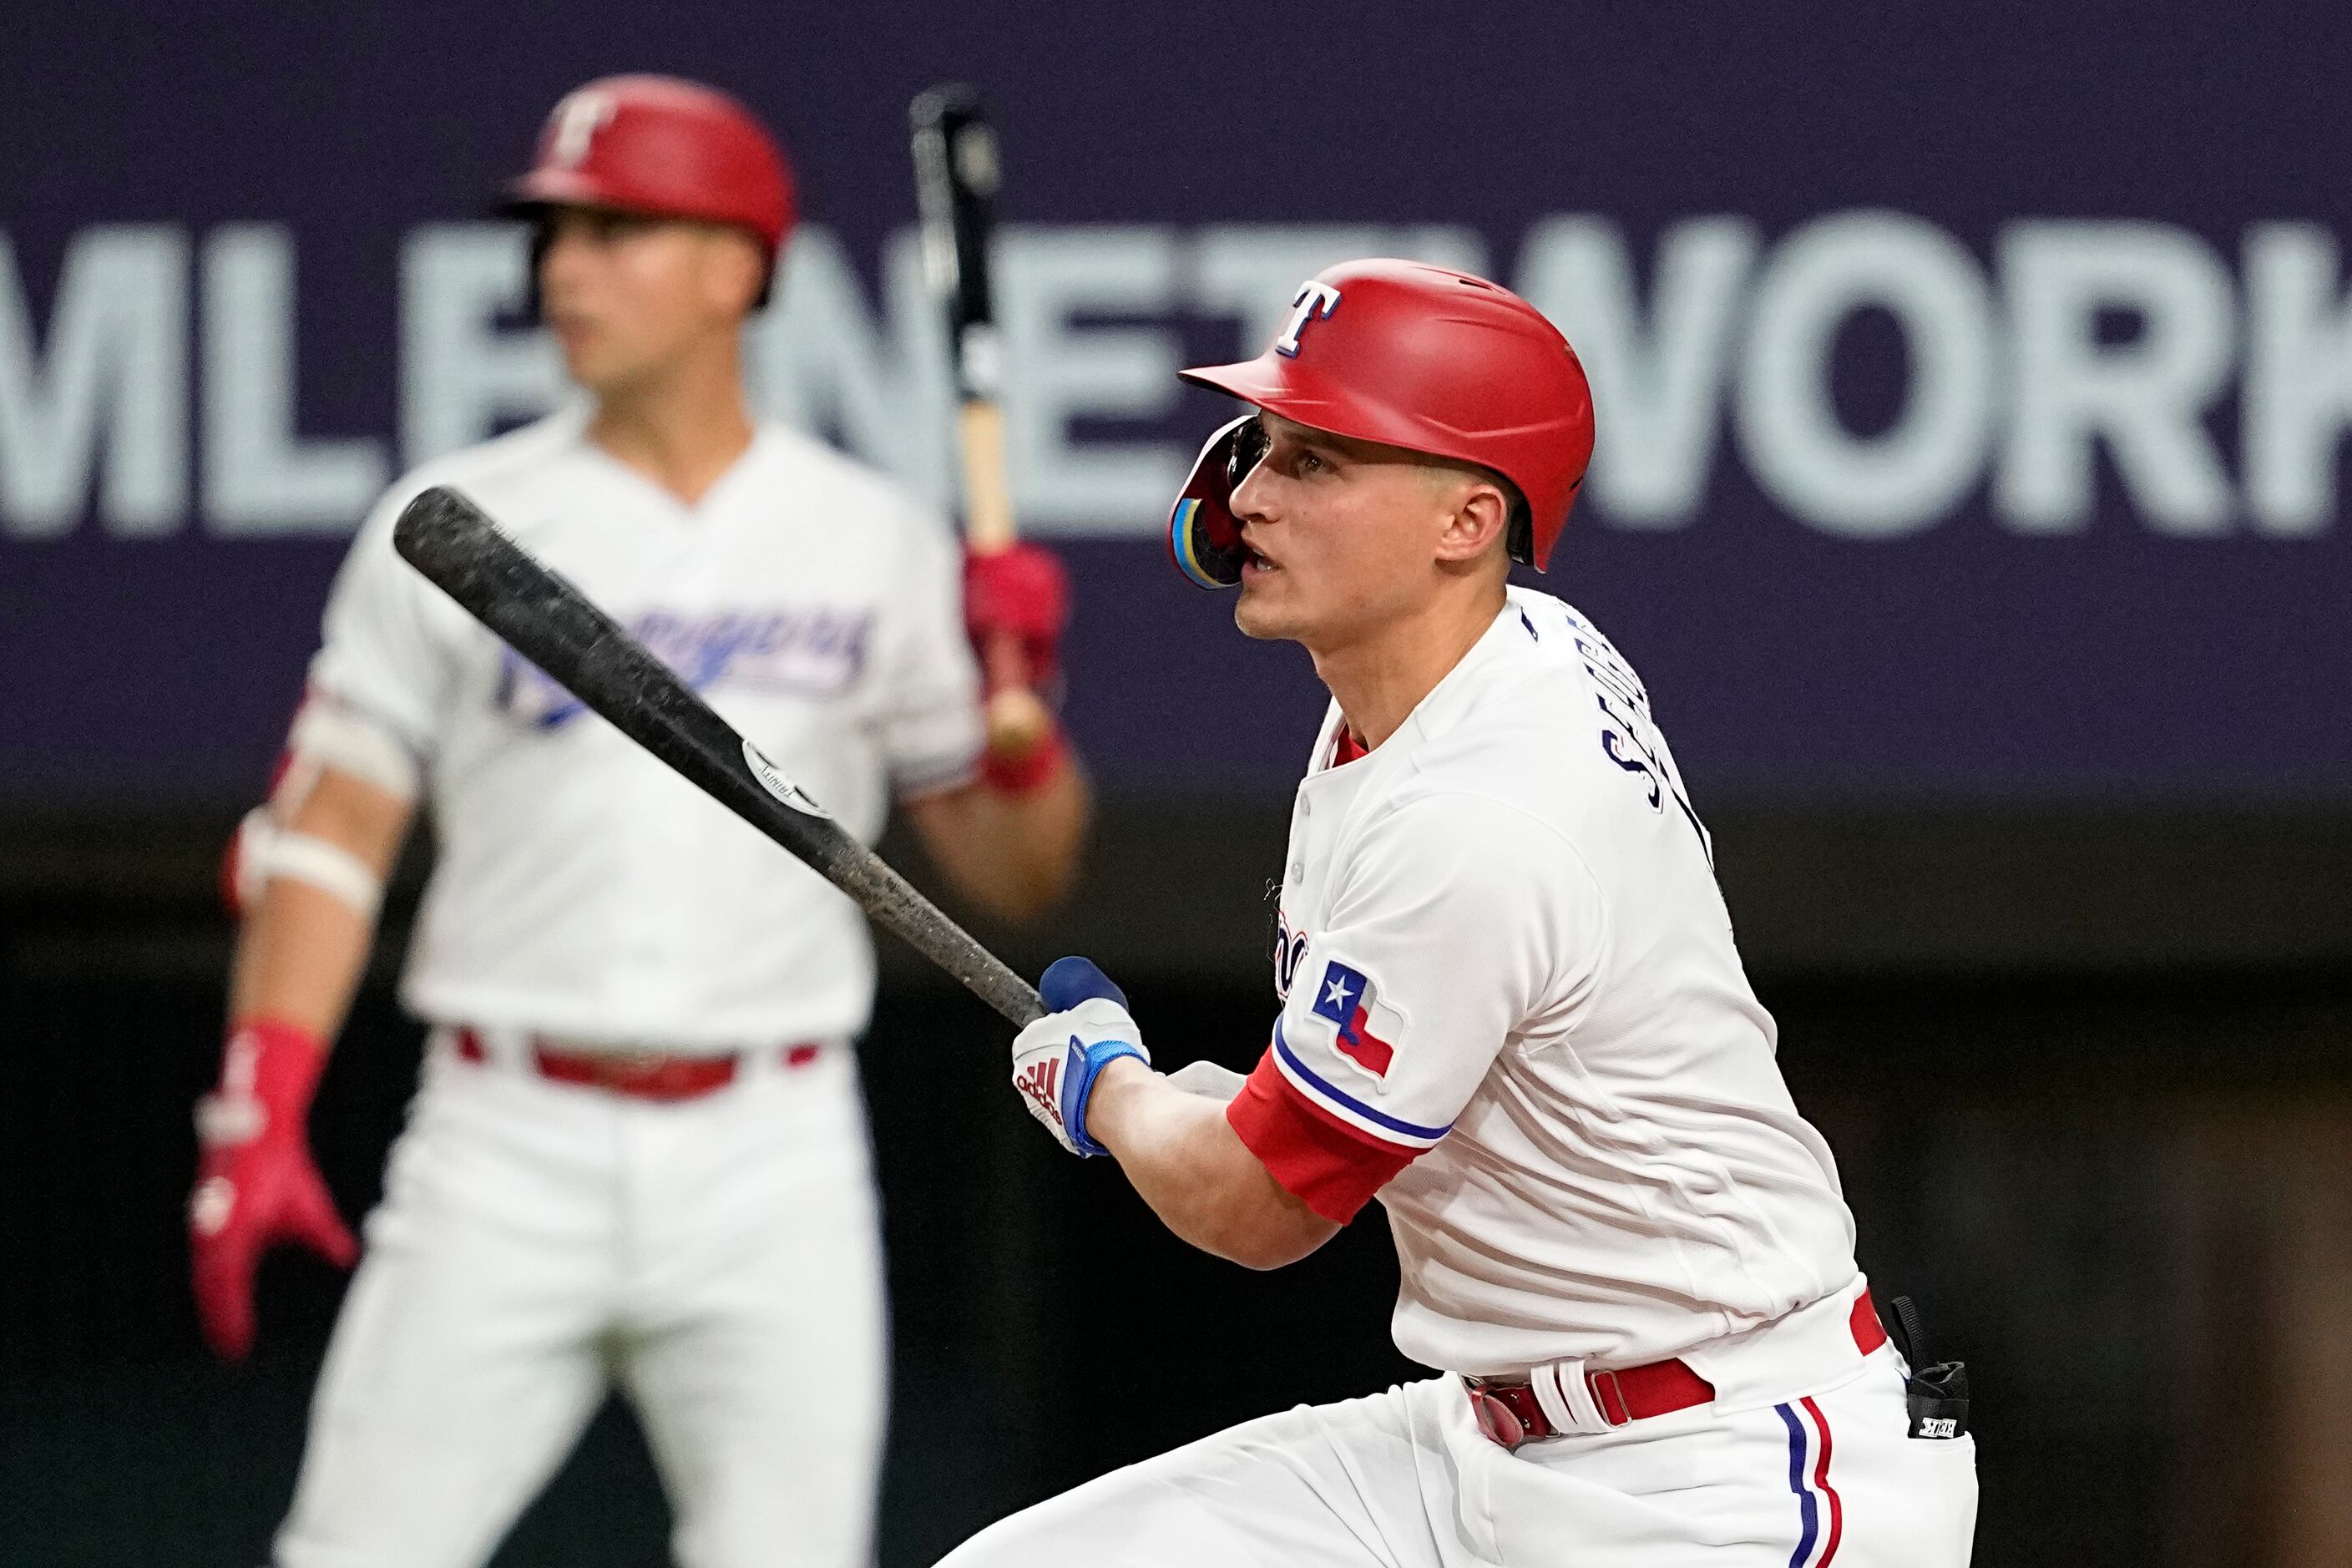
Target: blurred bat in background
(955, 177)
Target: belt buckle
(1501, 1424)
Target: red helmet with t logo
(1412, 357)
(664, 147)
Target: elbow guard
(331, 733)
(327, 733)
(263, 850)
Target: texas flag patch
(1368, 1029)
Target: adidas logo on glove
(1038, 1083)
(1056, 1059)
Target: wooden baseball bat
(956, 179)
(550, 622)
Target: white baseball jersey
(1512, 1007)
(583, 889)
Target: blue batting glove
(1056, 1058)
(1070, 980)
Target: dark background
(2108, 1148)
(2039, 848)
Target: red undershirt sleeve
(1327, 1164)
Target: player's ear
(736, 270)
(1478, 521)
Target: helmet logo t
(1312, 301)
(575, 123)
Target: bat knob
(1018, 722)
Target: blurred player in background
(639, 1155)
(1511, 1008)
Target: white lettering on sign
(2144, 400)
(1314, 301)
(114, 376)
(259, 477)
(1913, 473)
(1062, 372)
(2298, 389)
(462, 373)
(2125, 338)
(1657, 383)
(821, 358)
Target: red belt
(1509, 1413)
(640, 1075)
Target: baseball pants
(717, 1259)
(1405, 1480)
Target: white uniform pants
(717, 1259)
(1405, 1480)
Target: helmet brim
(1278, 390)
(540, 189)
(558, 188)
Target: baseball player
(638, 1157)
(1512, 1010)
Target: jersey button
(1306, 809)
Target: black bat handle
(552, 624)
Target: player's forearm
(1014, 854)
(299, 959)
(1188, 1163)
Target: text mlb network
(152, 380)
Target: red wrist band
(1028, 772)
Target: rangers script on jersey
(581, 888)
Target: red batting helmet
(663, 146)
(1410, 357)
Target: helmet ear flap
(1204, 538)
(1520, 534)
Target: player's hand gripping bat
(955, 188)
(549, 622)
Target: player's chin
(594, 361)
(583, 364)
(1267, 608)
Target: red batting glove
(1021, 593)
(1015, 602)
(256, 1185)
